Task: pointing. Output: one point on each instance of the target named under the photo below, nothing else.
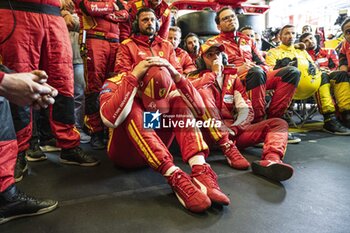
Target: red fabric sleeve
(164, 28)
(2, 74)
(116, 99)
(99, 8)
(192, 97)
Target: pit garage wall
(255, 21)
(203, 23)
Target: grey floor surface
(108, 199)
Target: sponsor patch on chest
(228, 99)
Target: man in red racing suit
(256, 76)
(326, 59)
(104, 24)
(226, 100)
(344, 63)
(182, 56)
(41, 40)
(131, 144)
(21, 89)
(161, 9)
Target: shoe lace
(231, 151)
(337, 124)
(20, 162)
(24, 197)
(211, 177)
(81, 153)
(35, 147)
(181, 183)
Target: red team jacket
(232, 100)
(240, 49)
(344, 56)
(100, 18)
(325, 58)
(185, 61)
(118, 93)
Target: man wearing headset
(124, 102)
(253, 71)
(226, 100)
(344, 63)
(161, 9)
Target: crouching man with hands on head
(150, 83)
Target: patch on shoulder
(116, 79)
(228, 99)
(126, 41)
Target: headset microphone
(195, 49)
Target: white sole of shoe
(50, 148)
(79, 164)
(336, 133)
(31, 159)
(41, 211)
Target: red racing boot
(187, 193)
(206, 180)
(234, 158)
(273, 169)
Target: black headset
(200, 64)
(135, 25)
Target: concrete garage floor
(107, 199)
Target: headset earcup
(185, 46)
(157, 25)
(224, 59)
(200, 64)
(135, 26)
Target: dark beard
(147, 32)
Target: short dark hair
(191, 34)
(285, 27)
(217, 17)
(247, 27)
(144, 9)
(346, 21)
(307, 26)
(304, 35)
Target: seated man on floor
(327, 60)
(344, 64)
(256, 76)
(226, 100)
(148, 84)
(313, 80)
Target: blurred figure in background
(182, 56)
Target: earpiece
(200, 64)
